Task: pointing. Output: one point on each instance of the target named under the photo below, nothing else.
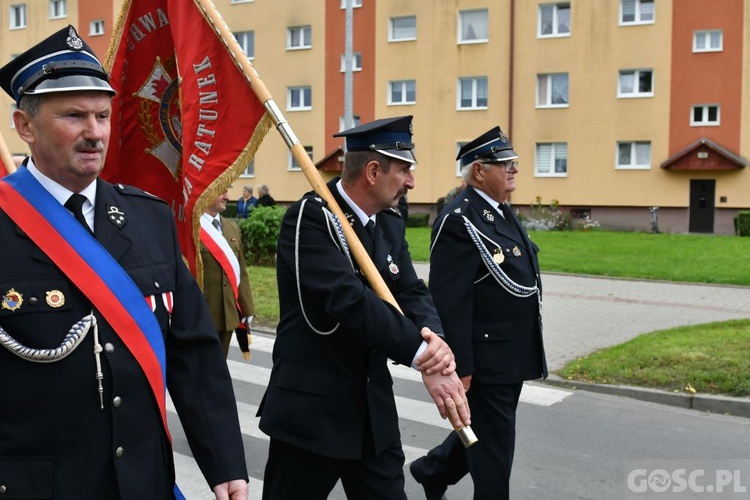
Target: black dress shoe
(429, 493)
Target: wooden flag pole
(6, 157)
(363, 259)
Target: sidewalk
(583, 314)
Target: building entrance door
(702, 199)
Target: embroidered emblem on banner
(55, 298)
(160, 116)
(12, 300)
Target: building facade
(615, 106)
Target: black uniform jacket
(495, 336)
(55, 440)
(330, 381)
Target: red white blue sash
(92, 269)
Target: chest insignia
(12, 300)
(498, 256)
(516, 251)
(350, 218)
(488, 215)
(116, 216)
(55, 298)
(392, 267)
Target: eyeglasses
(507, 165)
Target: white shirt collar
(61, 193)
(361, 215)
(493, 203)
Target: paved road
(575, 444)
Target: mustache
(88, 144)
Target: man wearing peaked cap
(485, 281)
(329, 407)
(95, 304)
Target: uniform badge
(516, 252)
(488, 215)
(350, 218)
(73, 40)
(498, 256)
(116, 216)
(392, 267)
(12, 300)
(458, 210)
(55, 298)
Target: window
(356, 62)
(551, 159)
(705, 115)
(708, 41)
(402, 92)
(96, 27)
(246, 39)
(355, 4)
(299, 37)
(636, 83)
(357, 122)
(293, 165)
(402, 28)
(250, 170)
(299, 99)
(636, 11)
(634, 154)
(552, 90)
(472, 26)
(554, 19)
(18, 16)
(472, 93)
(57, 9)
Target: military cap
(491, 147)
(63, 62)
(389, 136)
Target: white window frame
(554, 147)
(356, 62)
(638, 15)
(356, 4)
(250, 170)
(636, 74)
(96, 27)
(461, 36)
(634, 146)
(403, 91)
(474, 93)
(58, 9)
(17, 12)
(705, 122)
(706, 37)
(547, 86)
(300, 31)
(243, 39)
(304, 97)
(292, 165)
(393, 29)
(556, 33)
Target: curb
(723, 405)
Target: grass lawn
(670, 257)
(265, 295)
(708, 359)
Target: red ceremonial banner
(185, 120)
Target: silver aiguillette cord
(97, 356)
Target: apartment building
(615, 106)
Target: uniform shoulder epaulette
(391, 211)
(459, 205)
(134, 191)
(314, 197)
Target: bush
(417, 220)
(743, 223)
(260, 232)
(231, 210)
(545, 217)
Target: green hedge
(417, 220)
(743, 223)
(260, 232)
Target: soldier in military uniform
(84, 358)
(484, 279)
(329, 407)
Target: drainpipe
(511, 66)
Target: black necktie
(75, 205)
(505, 209)
(370, 227)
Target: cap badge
(488, 215)
(516, 252)
(392, 267)
(73, 40)
(55, 298)
(12, 300)
(503, 138)
(498, 256)
(116, 216)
